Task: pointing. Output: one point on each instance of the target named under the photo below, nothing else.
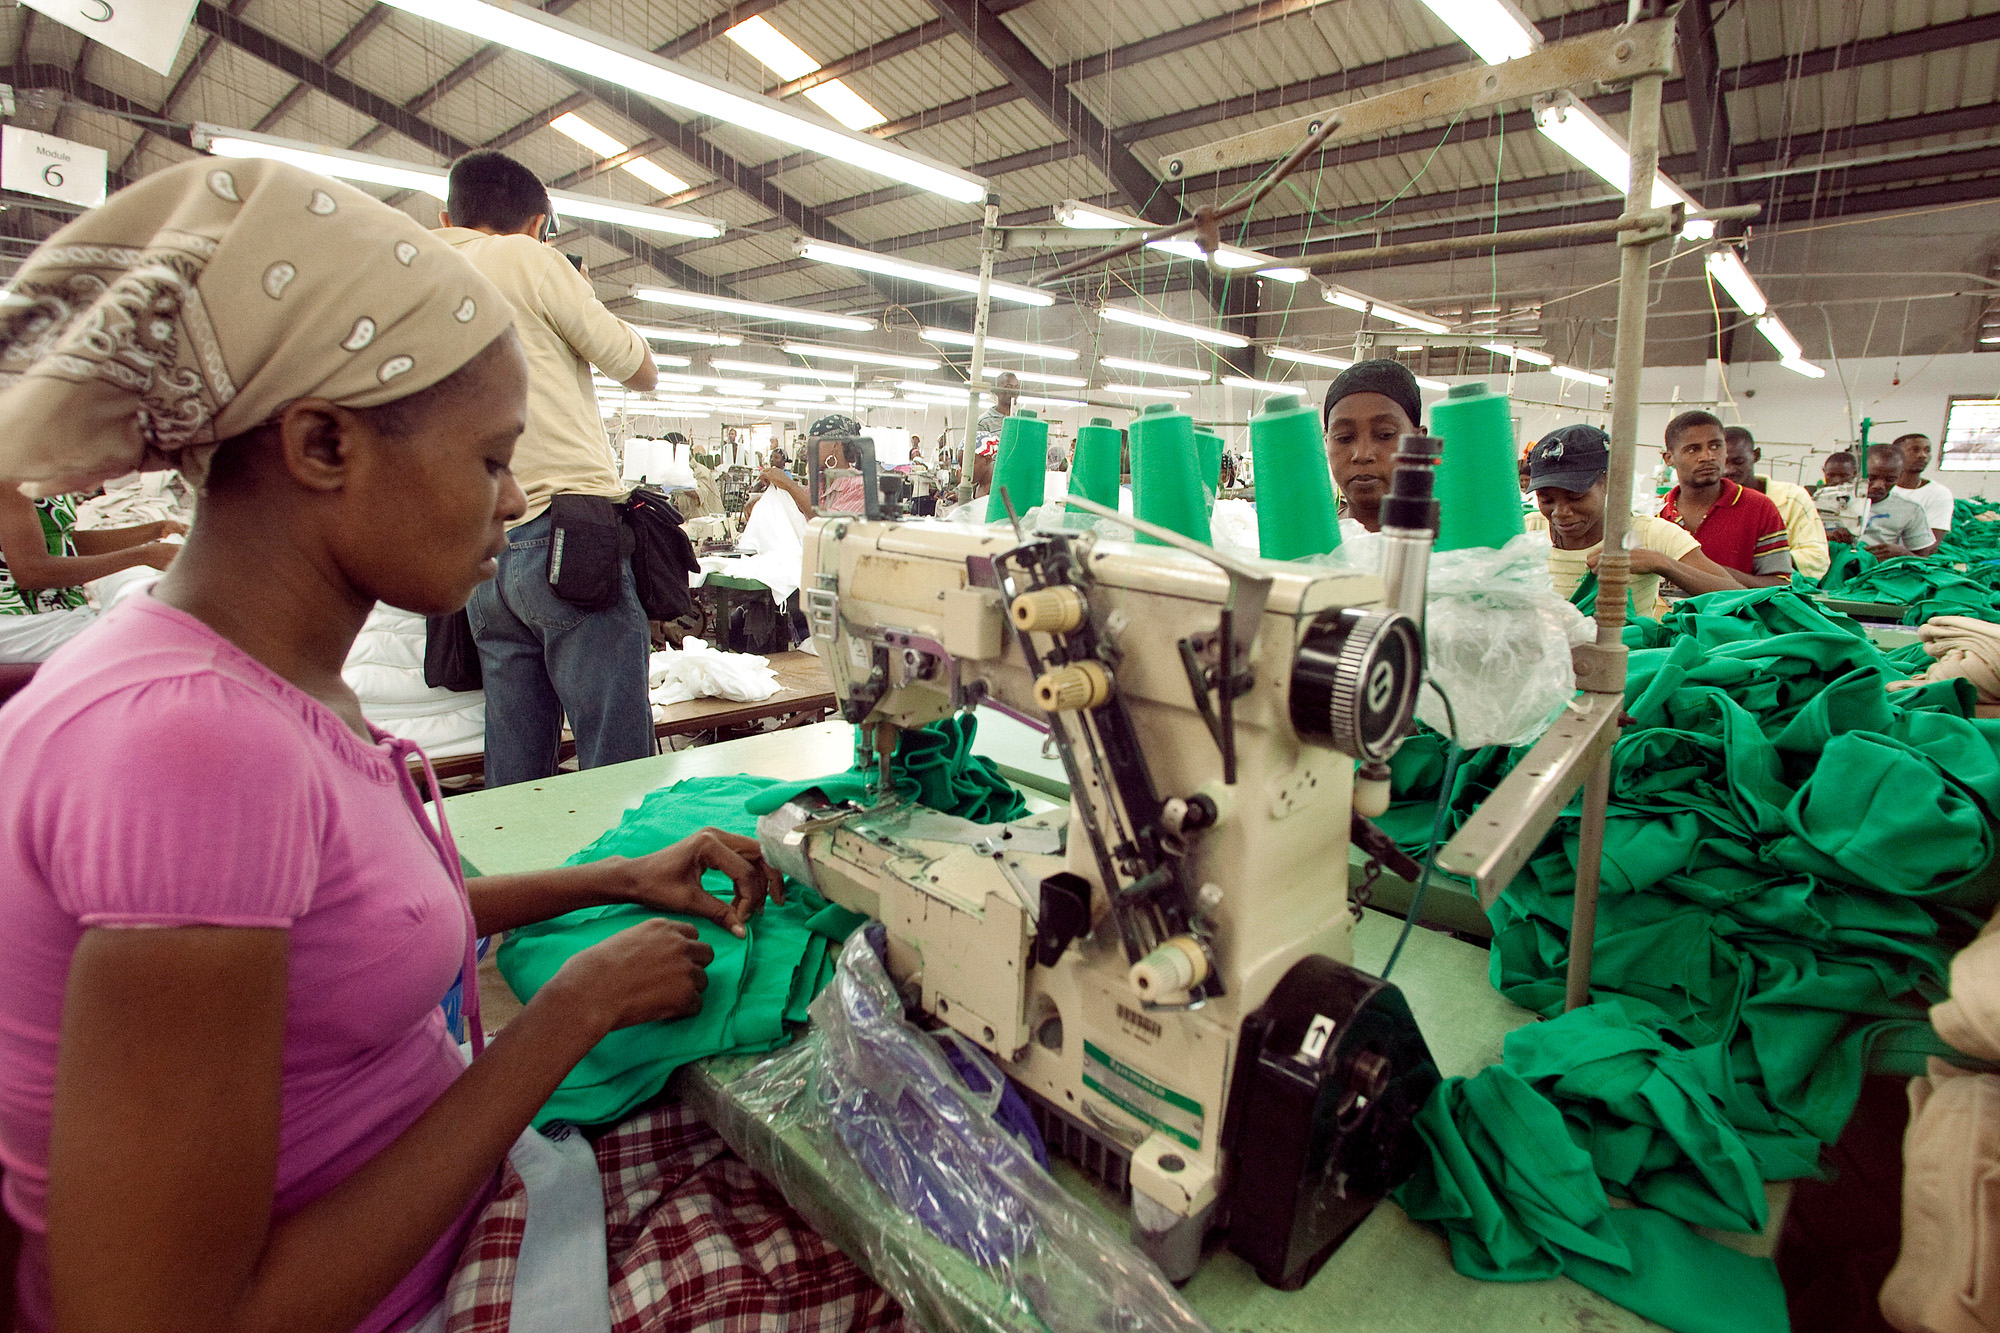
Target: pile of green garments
(1960, 578)
(758, 986)
(1792, 856)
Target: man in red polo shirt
(1739, 529)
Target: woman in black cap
(1370, 406)
(1567, 471)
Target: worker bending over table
(45, 561)
(228, 1096)
(1890, 526)
(1804, 532)
(1739, 529)
(1567, 471)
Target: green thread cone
(1166, 481)
(1296, 513)
(1208, 451)
(1093, 472)
(1021, 467)
(1478, 483)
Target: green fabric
(757, 985)
(1792, 855)
(934, 766)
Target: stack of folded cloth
(1963, 648)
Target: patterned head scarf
(194, 305)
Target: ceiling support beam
(1708, 109)
(1050, 94)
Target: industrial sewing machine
(1162, 967)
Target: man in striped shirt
(1739, 529)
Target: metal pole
(1589, 868)
(1445, 247)
(989, 244)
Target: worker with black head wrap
(843, 493)
(1369, 407)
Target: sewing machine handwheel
(1355, 681)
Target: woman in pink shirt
(228, 1099)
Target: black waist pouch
(662, 555)
(587, 550)
(451, 658)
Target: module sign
(149, 31)
(53, 168)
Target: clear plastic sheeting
(872, 1137)
(1496, 637)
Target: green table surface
(1392, 1275)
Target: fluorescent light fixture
(768, 414)
(1580, 376)
(654, 410)
(859, 358)
(953, 338)
(1284, 273)
(1027, 401)
(1076, 214)
(1727, 268)
(1139, 320)
(1780, 337)
(602, 144)
(1438, 386)
(925, 386)
(1141, 391)
(1806, 368)
(1309, 358)
(1231, 257)
(1349, 299)
(869, 396)
(1154, 368)
(667, 359)
(1261, 386)
(779, 368)
(784, 58)
(867, 261)
(1527, 354)
(1583, 134)
(1034, 377)
(368, 169)
(513, 24)
(726, 305)
(1495, 30)
(719, 382)
(699, 337)
(1989, 338)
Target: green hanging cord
(1452, 755)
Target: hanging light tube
(1309, 358)
(729, 305)
(1727, 268)
(1527, 354)
(1580, 376)
(780, 368)
(1806, 368)
(867, 261)
(519, 27)
(1495, 30)
(1262, 386)
(699, 337)
(1141, 391)
(953, 338)
(1584, 135)
(368, 169)
(1349, 299)
(1035, 377)
(1154, 368)
(668, 359)
(860, 358)
(1139, 320)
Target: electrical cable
(1452, 755)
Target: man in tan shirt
(544, 658)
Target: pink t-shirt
(159, 776)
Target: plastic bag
(903, 1157)
(1496, 638)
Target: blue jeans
(544, 658)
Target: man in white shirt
(1930, 496)
(545, 658)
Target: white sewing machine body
(1110, 956)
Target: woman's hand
(159, 554)
(655, 971)
(670, 880)
(171, 527)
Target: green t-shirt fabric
(1792, 855)
(934, 766)
(758, 986)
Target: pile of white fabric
(773, 542)
(135, 498)
(386, 668)
(698, 671)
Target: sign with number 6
(149, 31)
(32, 163)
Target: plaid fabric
(696, 1238)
